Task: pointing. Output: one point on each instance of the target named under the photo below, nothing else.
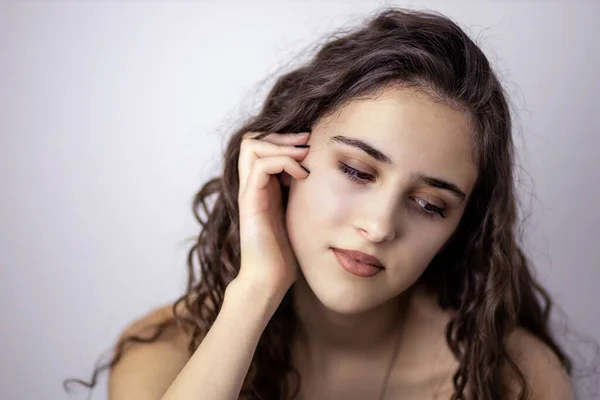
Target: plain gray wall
(113, 114)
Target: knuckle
(260, 164)
(246, 145)
(281, 150)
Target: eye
(429, 210)
(356, 175)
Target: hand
(267, 259)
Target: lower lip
(356, 267)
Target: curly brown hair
(482, 274)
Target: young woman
(362, 242)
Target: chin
(341, 305)
(341, 292)
(345, 296)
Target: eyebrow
(381, 157)
(367, 148)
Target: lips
(361, 257)
(355, 266)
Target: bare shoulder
(545, 375)
(146, 370)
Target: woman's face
(371, 189)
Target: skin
(349, 324)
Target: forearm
(218, 367)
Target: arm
(146, 370)
(545, 376)
(218, 367)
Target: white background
(113, 114)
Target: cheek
(315, 206)
(342, 198)
(299, 212)
(423, 249)
(417, 248)
(321, 199)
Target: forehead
(417, 133)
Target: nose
(378, 220)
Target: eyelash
(362, 178)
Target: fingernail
(304, 168)
(302, 146)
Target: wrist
(265, 291)
(253, 297)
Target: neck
(324, 331)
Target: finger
(290, 138)
(263, 168)
(252, 150)
(255, 149)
